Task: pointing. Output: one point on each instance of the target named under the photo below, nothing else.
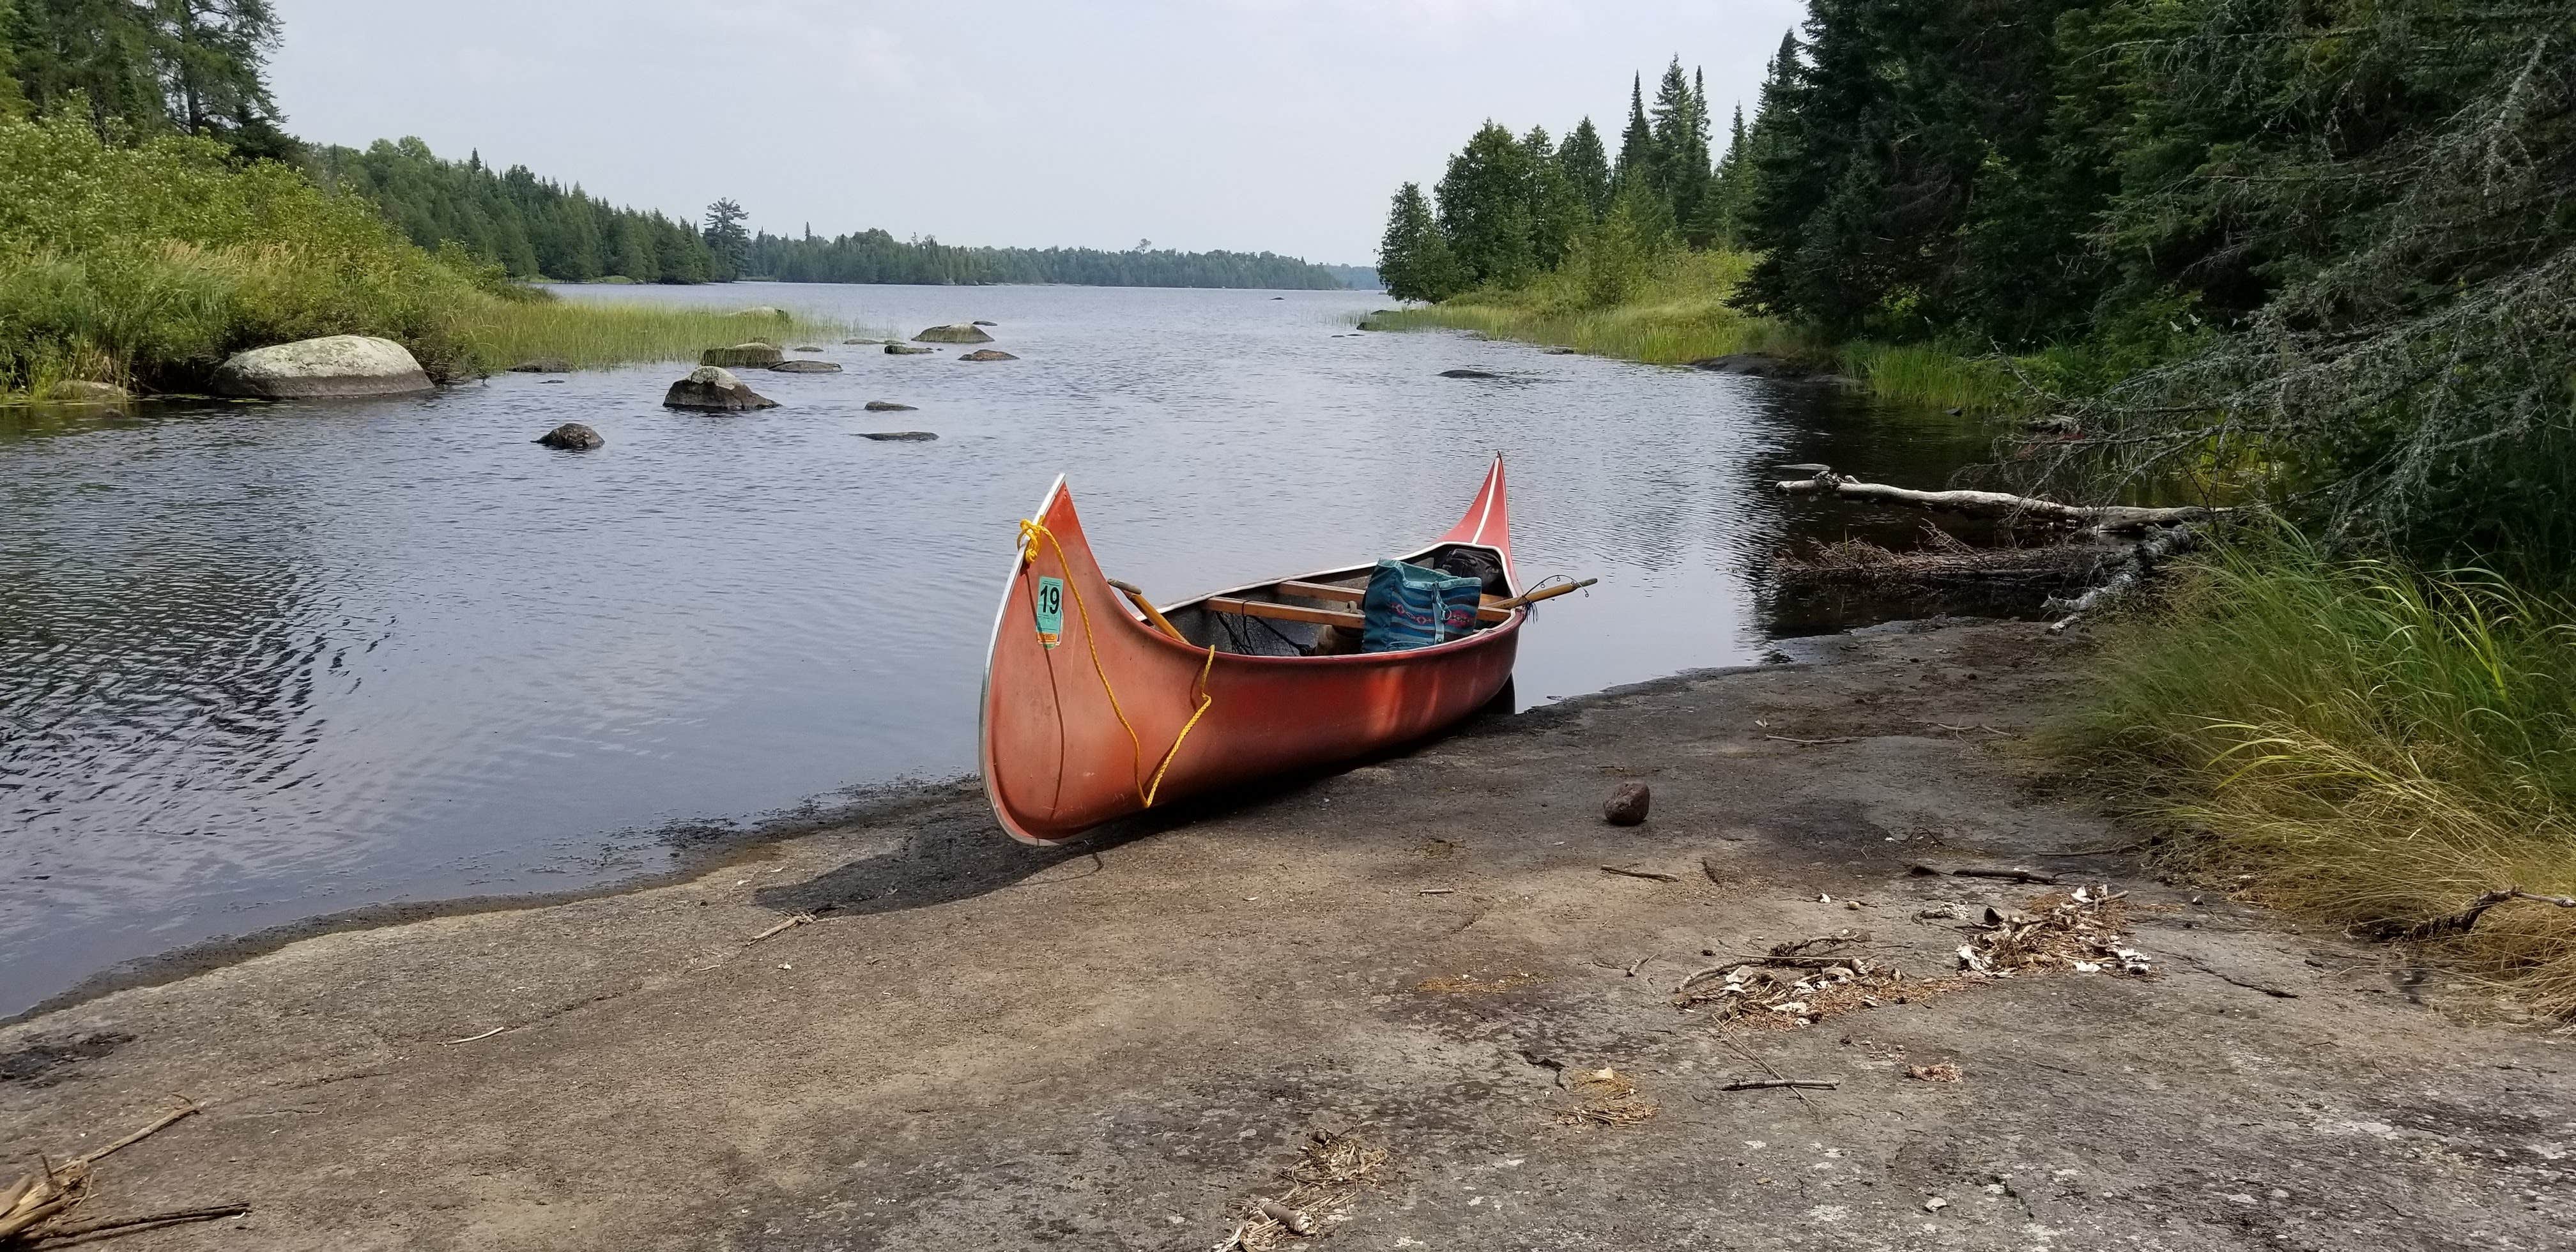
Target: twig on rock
(1784, 1084)
(1648, 874)
(2456, 923)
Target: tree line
(133, 69)
(2320, 245)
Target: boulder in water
(981, 322)
(905, 349)
(543, 365)
(887, 406)
(714, 389)
(960, 332)
(81, 391)
(1469, 374)
(572, 437)
(752, 355)
(897, 436)
(988, 354)
(806, 367)
(332, 366)
(809, 348)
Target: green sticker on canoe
(1050, 611)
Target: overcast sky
(1247, 124)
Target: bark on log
(2151, 552)
(2103, 517)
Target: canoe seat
(1353, 595)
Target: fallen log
(2102, 517)
(2456, 923)
(2150, 552)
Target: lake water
(259, 663)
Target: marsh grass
(1679, 314)
(2360, 743)
(594, 333)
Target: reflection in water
(259, 663)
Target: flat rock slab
(887, 406)
(806, 367)
(905, 349)
(975, 1044)
(988, 354)
(332, 367)
(898, 436)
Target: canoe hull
(1074, 734)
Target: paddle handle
(1543, 593)
(1136, 595)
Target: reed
(591, 333)
(2360, 743)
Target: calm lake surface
(259, 663)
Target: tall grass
(2361, 743)
(590, 333)
(146, 264)
(1678, 313)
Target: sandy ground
(978, 1046)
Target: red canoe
(1098, 707)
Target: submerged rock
(806, 367)
(1752, 365)
(1469, 374)
(714, 389)
(543, 365)
(84, 392)
(1627, 806)
(742, 355)
(988, 354)
(332, 366)
(905, 349)
(897, 436)
(981, 322)
(887, 406)
(960, 332)
(572, 437)
(865, 341)
(809, 348)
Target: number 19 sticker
(1050, 611)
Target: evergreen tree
(1721, 213)
(191, 65)
(1413, 260)
(1557, 211)
(1680, 133)
(1485, 209)
(1587, 168)
(1637, 142)
(728, 244)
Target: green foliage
(1485, 209)
(1587, 167)
(727, 241)
(530, 227)
(1413, 260)
(156, 260)
(146, 67)
(2359, 741)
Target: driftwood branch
(1647, 874)
(2456, 923)
(2104, 517)
(2150, 552)
(1784, 1084)
(138, 1136)
(2015, 873)
(146, 1221)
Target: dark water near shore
(259, 663)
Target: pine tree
(1680, 133)
(1484, 209)
(1587, 168)
(728, 245)
(1557, 211)
(1721, 214)
(1413, 259)
(1637, 142)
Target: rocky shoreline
(905, 1032)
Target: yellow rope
(1031, 531)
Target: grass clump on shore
(145, 264)
(2361, 743)
(1673, 309)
